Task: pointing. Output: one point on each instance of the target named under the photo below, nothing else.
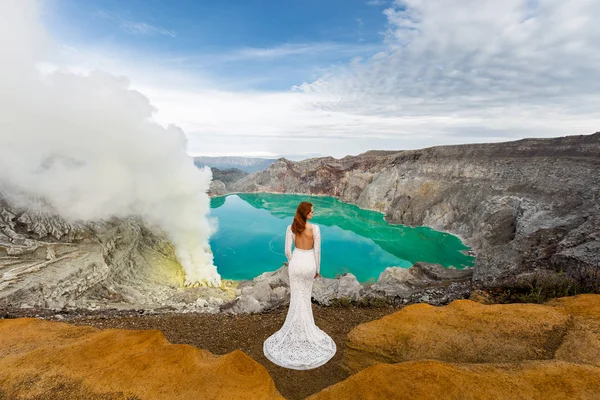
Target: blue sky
(339, 77)
(266, 45)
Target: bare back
(305, 240)
(308, 240)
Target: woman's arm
(288, 243)
(317, 246)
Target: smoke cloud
(88, 145)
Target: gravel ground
(223, 333)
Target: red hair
(299, 224)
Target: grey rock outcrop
(525, 207)
(345, 287)
(223, 179)
(49, 262)
(229, 175)
(217, 188)
(266, 291)
(422, 282)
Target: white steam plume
(89, 146)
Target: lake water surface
(251, 238)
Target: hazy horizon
(298, 157)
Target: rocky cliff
(530, 209)
(49, 262)
(222, 178)
(229, 175)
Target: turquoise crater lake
(251, 236)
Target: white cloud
(451, 57)
(288, 49)
(318, 52)
(477, 70)
(447, 73)
(135, 27)
(144, 28)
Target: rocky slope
(229, 175)
(223, 178)
(40, 359)
(530, 209)
(470, 351)
(49, 262)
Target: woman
(300, 344)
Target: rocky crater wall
(529, 209)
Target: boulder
(347, 286)
(247, 304)
(422, 282)
(266, 291)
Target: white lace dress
(300, 344)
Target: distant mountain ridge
(246, 164)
